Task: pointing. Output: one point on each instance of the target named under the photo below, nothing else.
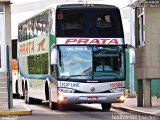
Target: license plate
(92, 98)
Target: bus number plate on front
(92, 98)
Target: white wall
(2, 41)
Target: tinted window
(89, 23)
(70, 23)
(104, 24)
(36, 26)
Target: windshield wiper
(87, 69)
(74, 76)
(108, 75)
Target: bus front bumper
(77, 98)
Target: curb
(131, 110)
(28, 111)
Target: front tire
(106, 106)
(55, 106)
(38, 102)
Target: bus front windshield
(91, 62)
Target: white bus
(72, 54)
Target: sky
(21, 10)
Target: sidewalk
(19, 109)
(130, 105)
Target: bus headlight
(115, 90)
(66, 90)
(122, 98)
(60, 98)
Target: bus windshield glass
(89, 23)
(91, 62)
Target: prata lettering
(26, 48)
(91, 41)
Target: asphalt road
(72, 112)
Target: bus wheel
(37, 101)
(106, 106)
(55, 106)
(60, 106)
(28, 100)
(52, 105)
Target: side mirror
(54, 55)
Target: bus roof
(65, 6)
(74, 5)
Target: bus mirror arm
(54, 55)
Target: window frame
(140, 29)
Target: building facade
(5, 55)
(147, 34)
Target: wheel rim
(50, 104)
